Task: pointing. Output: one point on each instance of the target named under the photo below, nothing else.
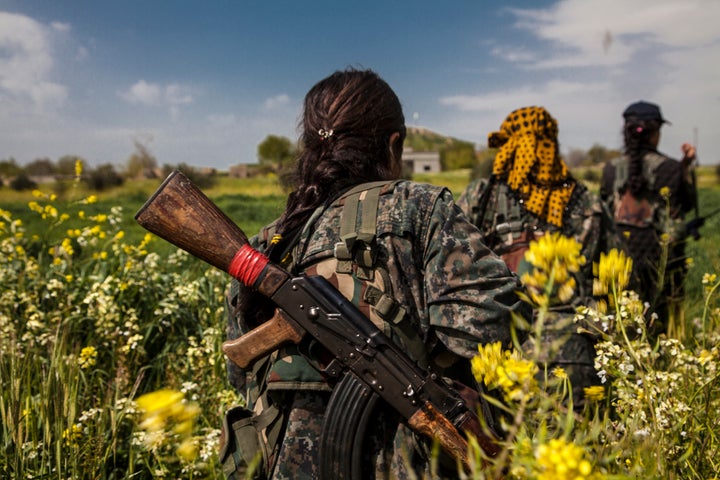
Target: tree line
(275, 154)
(140, 164)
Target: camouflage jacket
(661, 171)
(490, 205)
(454, 291)
(645, 245)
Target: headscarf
(528, 158)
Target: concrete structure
(421, 162)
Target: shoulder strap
(356, 254)
(357, 242)
(651, 161)
(621, 173)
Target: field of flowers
(111, 366)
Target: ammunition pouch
(244, 454)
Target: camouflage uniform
(585, 220)
(508, 228)
(454, 292)
(643, 244)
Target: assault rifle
(693, 226)
(367, 363)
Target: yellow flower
(35, 207)
(594, 393)
(517, 377)
(167, 415)
(560, 372)
(560, 460)
(504, 369)
(78, 167)
(705, 356)
(665, 192)
(187, 450)
(88, 356)
(612, 272)
(163, 401)
(72, 434)
(554, 258)
(67, 246)
(485, 364)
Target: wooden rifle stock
(184, 216)
(263, 339)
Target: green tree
(200, 178)
(41, 167)
(141, 163)
(66, 165)
(9, 167)
(458, 155)
(276, 152)
(576, 157)
(598, 155)
(104, 176)
(22, 182)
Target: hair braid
(637, 134)
(347, 123)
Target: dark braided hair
(638, 134)
(347, 123)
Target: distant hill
(421, 139)
(454, 153)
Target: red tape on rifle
(247, 264)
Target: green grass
(154, 318)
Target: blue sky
(204, 82)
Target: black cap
(644, 111)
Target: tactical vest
(352, 267)
(506, 228)
(643, 211)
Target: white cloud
(153, 94)
(143, 93)
(178, 95)
(26, 64)
(586, 60)
(277, 101)
(61, 27)
(583, 33)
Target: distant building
(421, 162)
(240, 170)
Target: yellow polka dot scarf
(528, 156)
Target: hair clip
(325, 134)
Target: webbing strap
(357, 242)
(621, 174)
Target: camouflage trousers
(390, 450)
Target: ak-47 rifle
(366, 361)
(693, 226)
